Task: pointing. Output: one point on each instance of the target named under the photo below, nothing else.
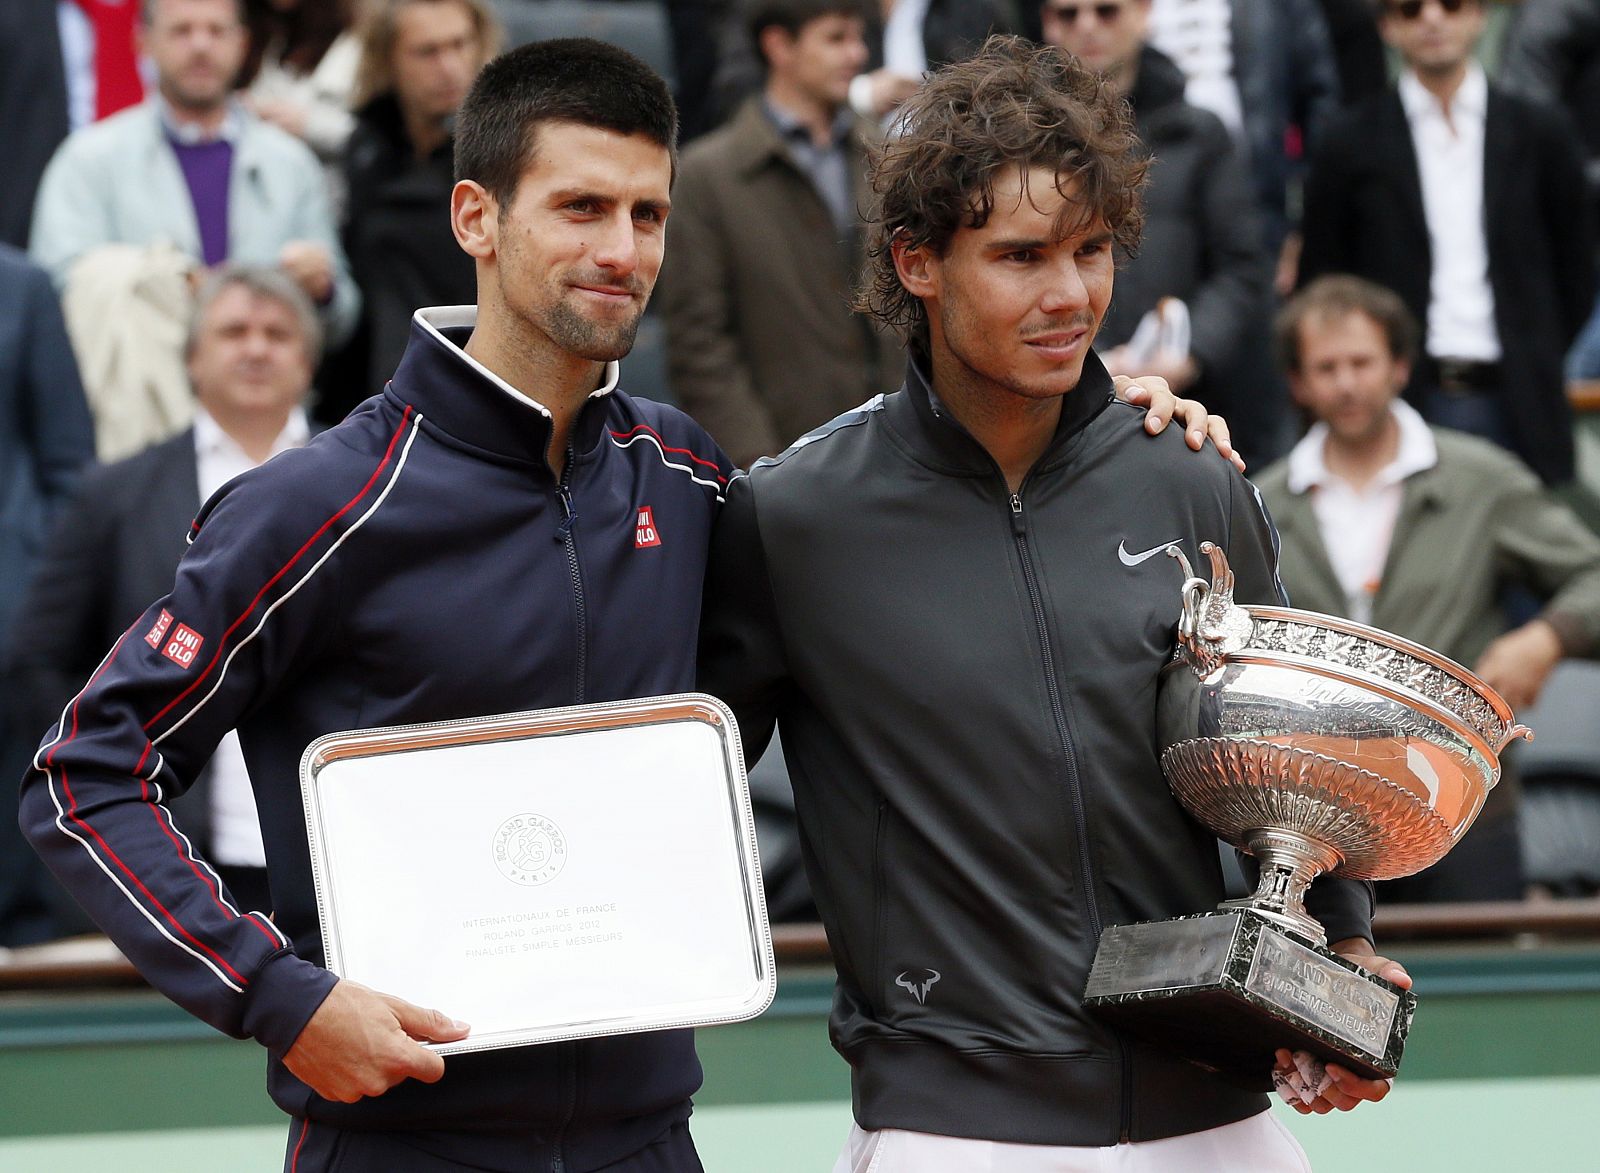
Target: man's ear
(475, 219)
(917, 267)
(1402, 374)
(776, 45)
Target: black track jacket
(967, 684)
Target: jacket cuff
(1343, 907)
(281, 998)
(1572, 631)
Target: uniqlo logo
(159, 629)
(184, 645)
(644, 530)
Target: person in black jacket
(46, 439)
(1470, 203)
(951, 600)
(417, 59)
(1202, 242)
(463, 544)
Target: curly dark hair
(1012, 104)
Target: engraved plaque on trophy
(1318, 745)
(549, 875)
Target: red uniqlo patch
(159, 629)
(644, 530)
(184, 645)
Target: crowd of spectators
(217, 217)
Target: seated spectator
(1418, 530)
(191, 168)
(45, 440)
(253, 343)
(301, 70)
(418, 59)
(1202, 238)
(762, 345)
(63, 65)
(1469, 202)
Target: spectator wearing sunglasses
(1469, 202)
(1267, 69)
(1202, 243)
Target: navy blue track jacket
(418, 562)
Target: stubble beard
(578, 335)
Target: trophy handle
(1211, 626)
(1512, 734)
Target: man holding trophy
(956, 601)
(501, 529)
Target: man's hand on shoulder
(1155, 394)
(1335, 1087)
(361, 1043)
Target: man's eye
(582, 207)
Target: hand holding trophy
(1318, 745)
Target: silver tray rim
(380, 741)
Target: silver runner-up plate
(560, 874)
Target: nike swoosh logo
(1134, 559)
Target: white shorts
(1258, 1144)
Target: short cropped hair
(566, 80)
(792, 16)
(263, 281)
(1014, 104)
(1334, 296)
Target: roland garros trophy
(1318, 745)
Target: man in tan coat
(762, 345)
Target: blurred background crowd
(1370, 242)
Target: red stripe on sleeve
(222, 644)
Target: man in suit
(63, 65)
(762, 345)
(253, 344)
(45, 440)
(1418, 530)
(1469, 202)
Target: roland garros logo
(529, 849)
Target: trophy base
(1225, 989)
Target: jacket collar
(465, 400)
(1159, 83)
(757, 141)
(941, 442)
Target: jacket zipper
(1019, 530)
(567, 1063)
(566, 1054)
(569, 539)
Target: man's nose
(616, 247)
(1067, 291)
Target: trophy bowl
(1317, 745)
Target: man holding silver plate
(500, 529)
(957, 602)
